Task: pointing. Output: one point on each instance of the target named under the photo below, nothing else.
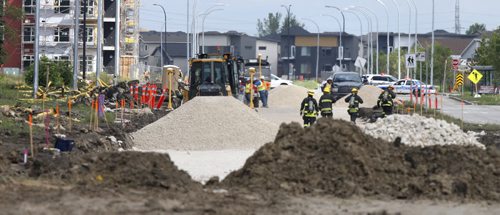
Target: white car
(276, 81)
(379, 79)
(405, 86)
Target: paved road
(482, 114)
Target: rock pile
(288, 96)
(420, 131)
(207, 123)
(368, 93)
(335, 157)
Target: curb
(461, 100)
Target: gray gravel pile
(368, 93)
(207, 123)
(420, 131)
(288, 96)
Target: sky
(242, 15)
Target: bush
(60, 73)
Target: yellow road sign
(475, 76)
(459, 80)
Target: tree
(488, 53)
(293, 23)
(476, 29)
(60, 73)
(273, 24)
(269, 25)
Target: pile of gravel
(420, 131)
(288, 96)
(368, 93)
(207, 123)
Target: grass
(464, 125)
(483, 100)
(307, 84)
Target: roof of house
(456, 45)
(155, 37)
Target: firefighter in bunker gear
(309, 109)
(385, 100)
(326, 103)
(353, 100)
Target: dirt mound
(368, 93)
(336, 157)
(114, 169)
(287, 96)
(207, 123)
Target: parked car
(379, 79)
(405, 86)
(343, 82)
(276, 81)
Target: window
(29, 6)
(61, 6)
(90, 7)
(90, 34)
(89, 62)
(327, 51)
(61, 35)
(262, 48)
(305, 68)
(28, 60)
(305, 51)
(61, 58)
(248, 47)
(29, 34)
(327, 67)
(145, 47)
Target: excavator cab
(213, 76)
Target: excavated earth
(336, 158)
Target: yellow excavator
(214, 75)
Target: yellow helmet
(354, 90)
(327, 89)
(310, 92)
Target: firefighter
(353, 100)
(326, 102)
(327, 84)
(385, 100)
(309, 109)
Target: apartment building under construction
(57, 32)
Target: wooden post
(30, 121)
(170, 73)
(251, 70)
(69, 114)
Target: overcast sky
(242, 15)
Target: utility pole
(37, 48)
(76, 42)
(433, 39)
(100, 11)
(84, 38)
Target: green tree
(476, 29)
(269, 25)
(488, 53)
(60, 73)
(7, 32)
(290, 22)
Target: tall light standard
(361, 25)
(432, 48)
(37, 49)
(317, 46)
(187, 37)
(341, 48)
(335, 18)
(399, 39)
(165, 15)
(416, 28)
(377, 27)
(203, 28)
(388, 37)
(370, 35)
(409, 34)
(290, 72)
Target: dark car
(343, 82)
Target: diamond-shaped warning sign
(475, 76)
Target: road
(481, 114)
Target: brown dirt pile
(335, 157)
(114, 169)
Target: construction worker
(385, 100)
(326, 102)
(327, 84)
(262, 88)
(354, 100)
(248, 91)
(309, 109)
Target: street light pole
(416, 28)
(377, 27)
(361, 25)
(388, 37)
(433, 39)
(37, 49)
(203, 28)
(290, 73)
(409, 34)
(399, 39)
(317, 46)
(341, 47)
(165, 15)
